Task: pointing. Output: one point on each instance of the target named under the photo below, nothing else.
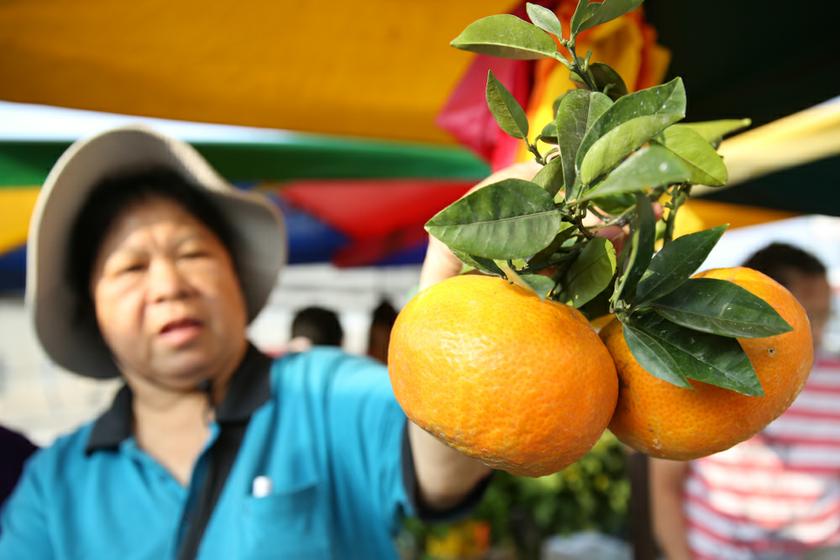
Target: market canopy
(353, 203)
(373, 68)
(383, 70)
(377, 68)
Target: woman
(145, 264)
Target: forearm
(669, 527)
(444, 475)
(667, 509)
(438, 265)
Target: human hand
(441, 263)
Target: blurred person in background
(145, 264)
(315, 326)
(776, 495)
(379, 335)
(15, 449)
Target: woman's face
(167, 299)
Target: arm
(446, 476)
(667, 479)
(443, 474)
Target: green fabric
(27, 163)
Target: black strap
(221, 458)
(250, 388)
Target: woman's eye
(193, 254)
(131, 268)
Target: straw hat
(259, 239)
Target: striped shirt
(776, 495)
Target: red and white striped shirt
(776, 495)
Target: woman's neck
(173, 424)
(173, 429)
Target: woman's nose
(165, 281)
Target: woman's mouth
(180, 331)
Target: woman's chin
(182, 373)
(186, 369)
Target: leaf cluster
(611, 154)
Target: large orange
(523, 384)
(663, 420)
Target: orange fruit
(522, 384)
(666, 421)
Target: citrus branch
(679, 194)
(537, 155)
(581, 67)
(511, 274)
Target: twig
(679, 194)
(537, 155)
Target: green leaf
(545, 19)
(542, 285)
(630, 122)
(506, 36)
(547, 255)
(505, 108)
(654, 357)
(589, 14)
(675, 263)
(577, 112)
(506, 220)
(608, 80)
(556, 103)
(550, 177)
(591, 272)
(714, 131)
(704, 357)
(706, 165)
(549, 133)
(484, 265)
(641, 249)
(652, 166)
(720, 307)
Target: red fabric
(465, 114)
(371, 250)
(381, 217)
(371, 208)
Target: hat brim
(259, 239)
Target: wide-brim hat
(258, 243)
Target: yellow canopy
(378, 68)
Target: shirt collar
(250, 388)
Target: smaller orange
(666, 421)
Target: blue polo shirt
(321, 433)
